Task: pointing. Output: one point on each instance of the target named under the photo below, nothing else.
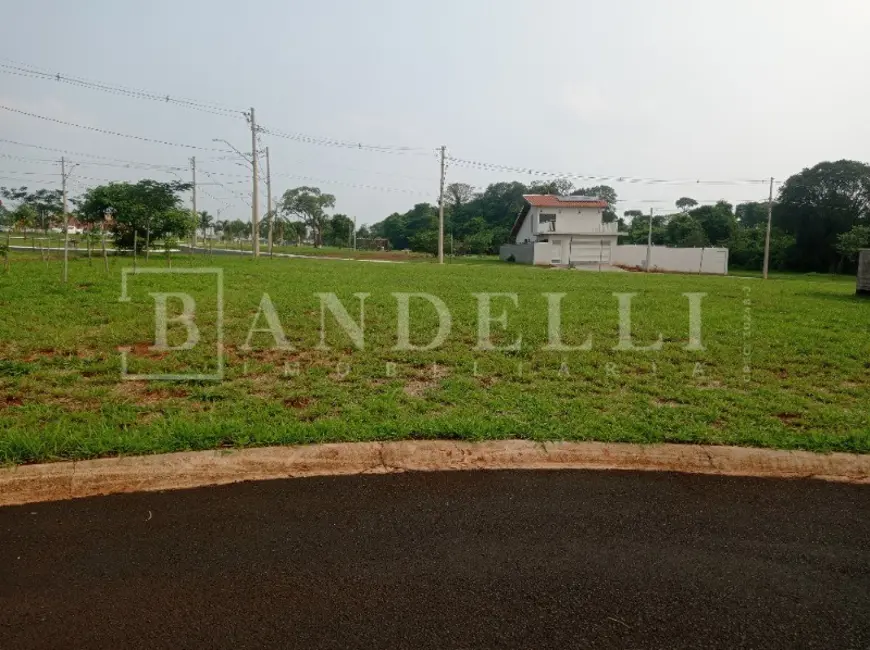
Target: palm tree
(205, 221)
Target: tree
(425, 241)
(25, 216)
(236, 230)
(752, 214)
(606, 193)
(685, 230)
(12, 195)
(717, 222)
(818, 205)
(308, 204)
(141, 212)
(480, 243)
(746, 248)
(559, 187)
(205, 222)
(340, 230)
(686, 203)
(458, 194)
(638, 230)
(632, 214)
(394, 229)
(46, 205)
(485, 219)
(852, 241)
(294, 231)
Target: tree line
(136, 215)
(821, 218)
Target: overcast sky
(695, 89)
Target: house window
(547, 222)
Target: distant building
(562, 230)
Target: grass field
(786, 364)
(323, 251)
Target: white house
(562, 230)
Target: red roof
(552, 201)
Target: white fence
(679, 260)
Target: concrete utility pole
(767, 236)
(65, 222)
(269, 198)
(649, 240)
(194, 213)
(441, 210)
(354, 233)
(255, 204)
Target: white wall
(568, 220)
(578, 220)
(524, 234)
(532, 253)
(679, 260)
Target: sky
(710, 90)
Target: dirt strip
(69, 480)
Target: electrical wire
(474, 164)
(27, 70)
(332, 142)
(107, 132)
(86, 155)
(243, 197)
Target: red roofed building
(562, 230)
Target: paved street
(563, 559)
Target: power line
(347, 144)
(27, 180)
(118, 165)
(611, 179)
(243, 197)
(86, 155)
(27, 160)
(36, 73)
(379, 188)
(107, 132)
(27, 70)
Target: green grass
(61, 395)
(323, 251)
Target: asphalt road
(445, 560)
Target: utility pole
(269, 198)
(65, 222)
(255, 204)
(194, 214)
(767, 236)
(354, 233)
(441, 210)
(649, 240)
